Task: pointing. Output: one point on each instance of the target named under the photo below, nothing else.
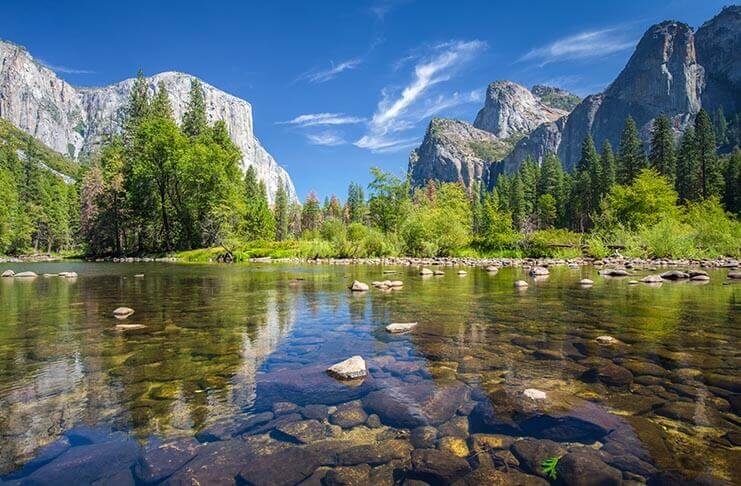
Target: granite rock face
(73, 121)
(718, 43)
(511, 109)
(454, 151)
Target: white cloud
(585, 45)
(313, 119)
(381, 8)
(323, 75)
(329, 139)
(64, 69)
(399, 111)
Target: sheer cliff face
(452, 151)
(662, 76)
(718, 43)
(511, 109)
(73, 121)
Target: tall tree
(589, 164)
(710, 175)
(161, 102)
(389, 200)
(631, 157)
(194, 118)
(311, 214)
(607, 162)
(357, 207)
(721, 127)
(732, 176)
(138, 106)
(686, 174)
(662, 156)
(280, 213)
(517, 203)
(259, 222)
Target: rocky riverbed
(563, 383)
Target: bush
(668, 238)
(544, 243)
(715, 232)
(597, 247)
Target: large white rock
(535, 394)
(349, 369)
(539, 271)
(74, 121)
(521, 284)
(8, 273)
(358, 286)
(400, 327)
(123, 312)
(25, 275)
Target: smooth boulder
(25, 275)
(399, 327)
(8, 273)
(521, 284)
(358, 286)
(350, 369)
(123, 312)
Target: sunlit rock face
(74, 121)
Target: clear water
(215, 334)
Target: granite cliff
(73, 121)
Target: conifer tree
(311, 215)
(161, 103)
(517, 202)
(732, 176)
(356, 205)
(589, 164)
(607, 162)
(686, 173)
(631, 157)
(721, 127)
(280, 213)
(710, 176)
(662, 157)
(194, 118)
(138, 106)
(259, 223)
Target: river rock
(282, 468)
(585, 282)
(123, 312)
(304, 431)
(734, 274)
(396, 284)
(532, 452)
(492, 269)
(377, 453)
(521, 284)
(130, 327)
(8, 273)
(539, 271)
(315, 411)
(398, 327)
(425, 271)
(87, 463)
(614, 272)
(68, 274)
(25, 275)
(493, 477)
(438, 273)
(610, 374)
(226, 428)
(606, 340)
(423, 437)
(350, 369)
(282, 408)
(454, 445)
(534, 394)
(348, 476)
(358, 286)
(700, 278)
(348, 417)
(158, 462)
(42, 455)
(652, 279)
(674, 275)
(439, 465)
(462, 273)
(423, 403)
(586, 469)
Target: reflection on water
(222, 340)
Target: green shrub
(668, 238)
(715, 232)
(597, 246)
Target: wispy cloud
(64, 69)
(329, 139)
(319, 75)
(584, 45)
(381, 8)
(400, 110)
(313, 119)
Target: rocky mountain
(511, 109)
(456, 151)
(557, 98)
(73, 121)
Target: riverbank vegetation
(164, 188)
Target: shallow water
(226, 341)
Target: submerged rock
(674, 275)
(348, 476)
(586, 469)
(398, 327)
(304, 431)
(230, 427)
(349, 369)
(439, 465)
(492, 477)
(539, 271)
(161, 461)
(358, 286)
(425, 271)
(521, 284)
(284, 467)
(423, 403)
(532, 452)
(123, 312)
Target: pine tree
(161, 103)
(711, 178)
(194, 118)
(732, 176)
(280, 213)
(631, 157)
(589, 164)
(686, 173)
(721, 127)
(311, 215)
(607, 160)
(662, 156)
(333, 208)
(356, 205)
(137, 107)
(259, 222)
(517, 203)
(529, 174)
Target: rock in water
(651, 279)
(521, 284)
(425, 271)
(492, 269)
(539, 272)
(130, 327)
(8, 273)
(535, 394)
(25, 275)
(68, 274)
(398, 327)
(75, 122)
(585, 282)
(462, 273)
(349, 369)
(358, 286)
(606, 340)
(674, 275)
(123, 312)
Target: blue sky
(340, 86)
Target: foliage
(549, 467)
(631, 157)
(389, 200)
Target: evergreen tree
(721, 127)
(631, 157)
(517, 203)
(161, 103)
(546, 211)
(280, 213)
(194, 118)
(686, 173)
(732, 176)
(356, 205)
(588, 169)
(529, 174)
(608, 175)
(710, 175)
(662, 156)
(259, 222)
(137, 108)
(333, 209)
(311, 215)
